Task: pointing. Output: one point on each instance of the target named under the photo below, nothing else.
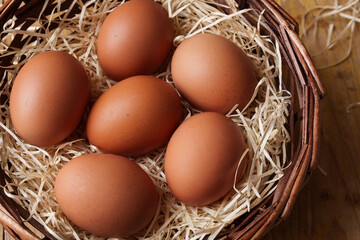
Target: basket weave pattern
(303, 83)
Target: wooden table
(328, 208)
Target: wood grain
(329, 205)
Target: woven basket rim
(303, 79)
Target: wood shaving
(333, 16)
(33, 170)
(339, 20)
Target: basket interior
(301, 81)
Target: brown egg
(202, 157)
(48, 98)
(107, 195)
(213, 73)
(135, 116)
(135, 39)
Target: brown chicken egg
(106, 194)
(213, 73)
(135, 39)
(48, 98)
(134, 116)
(202, 157)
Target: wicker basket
(303, 83)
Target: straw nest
(264, 121)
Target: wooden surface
(329, 206)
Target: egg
(135, 39)
(134, 116)
(48, 98)
(202, 157)
(213, 73)
(106, 194)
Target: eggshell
(135, 39)
(213, 73)
(135, 116)
(107, 195)
(202, 157)
(48, 98)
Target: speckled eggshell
(106, 194)
(135, 39)
(202, 157)
(213, 73)
(48, 98)
(134, 116)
